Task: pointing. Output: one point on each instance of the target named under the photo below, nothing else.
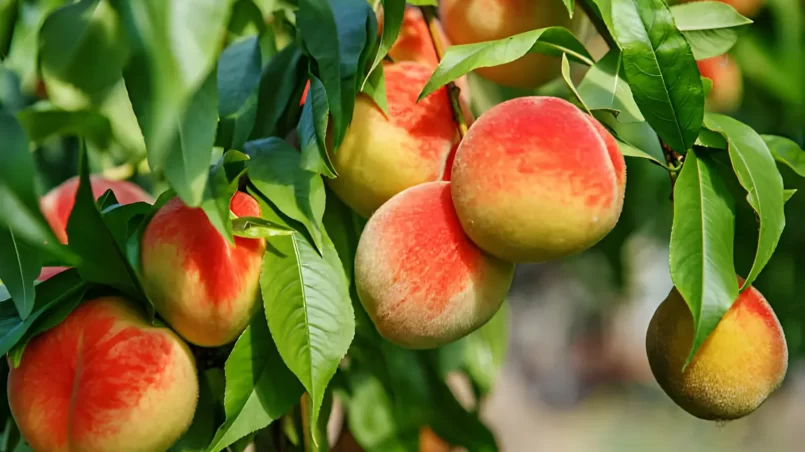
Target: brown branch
(452, 90)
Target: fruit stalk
(452, 90)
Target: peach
(736, 368)
(536, 179)
(104, 380)
(473, 21)
(727, 89)
(206, 288)
(419, 277)
(382, 156)
(58, 203)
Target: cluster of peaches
(534, 179)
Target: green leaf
(278, 83)
(103, 258)
(787, 194)
(711, 27)
(201, 432)
(629, 150)
(75, 39)
(259, 386)
(19, 204)
(701, 249)
(710, 139)
(393, 13)
(312, 130)
(754, 165)
(423, 2)
(44, 121)
(569, 5)
(461, 59)
(308, 307)
(570, 85)
(221, 186)
(20, 264)
(175, 45)
(23, 54)
(375, 87)
(661, 70)
(485, 350)
(189, 158)
(299, 194)
(254, 228)
(239, 70)
(604, 88)
(786, 152)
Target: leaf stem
(598, 23)
(452, 90)
(674, 161)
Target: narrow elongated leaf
(222, 185)
(43, 122)
(19, 204)
(189, 158)
(278, 82)
(604, 88)
(276, 172)
(711, 27)
(485, 350)
(786, 152)
(307, 304)
(239, 69)
(19, 266)
(754, 165)
(701, 249)
(393, 12)
(312, 131)
(571, 85)
(661, 70)
(175, 45)
(259, 386)
(461, 59)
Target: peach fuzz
(736, 368)
(104, 380)
(419, 277)
(536, 179)
(58, 203)
(473, 21)
(382, 156)
(727, 90)
(206, 288)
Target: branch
(452, 90)
(674, 161)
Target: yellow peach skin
(472, 21)
(536, 179)
(742, 361)
(382, 156)
(104, 380)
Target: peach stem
(452, 89)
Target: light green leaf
(570, 85)
(20, 264)
(786, 152)
(42, 121)
(393, 13)
(604, 88)
(754, 165)
(485, 350)
(701, 249)
(312, 130)
(711, 27)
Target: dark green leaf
(42, 123)
(786, 152)
(278, 83)
(661, 70)
(604, 88)
(259, 387)
(702, 244)
(461, 59)
(75, 39)
(754, 165)
(20, 264)
(312, 131)
(711, 27)
(299, 194)
(23, 54)
(221, 186)
(393, 12)
(239, 69)
(189, 157)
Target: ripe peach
(742, 361)
(473, 21)
(727, 83)
(204, 287)
(419, 277)
(104, 380)
(57, 204)
(536, 179)
(382, 156)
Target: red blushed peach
(382, 156)
(204, 287)
(736, 368)
(57, 204)
(420, 278)
(473, 21)
(104, 380)
(536, 179)
(727, 89)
